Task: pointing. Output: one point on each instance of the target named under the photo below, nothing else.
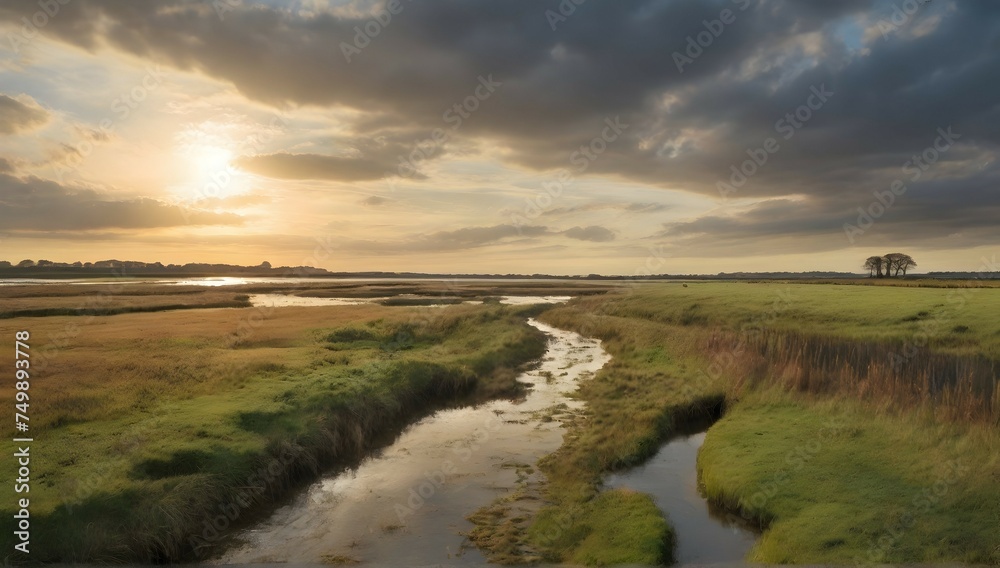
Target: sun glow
(210, 173)
(209, 160)
(207, 157)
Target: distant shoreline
(309, 273)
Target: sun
(209, 160)
(206, 155)
(209, 171)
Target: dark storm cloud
(32, 204)
(17, 116)
(879, 218)
(615, 59)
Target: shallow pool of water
(704, 534)
(287, 300)
(408, 504)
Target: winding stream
(407, 504)
(705, 535)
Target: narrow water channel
(705, 535)
(289, 300)
(407, 505)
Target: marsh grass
(784, 359)
(154, 425)
(882, 375)
(834, 483)
(110, 311)
(102, 300)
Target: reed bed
(888, 375)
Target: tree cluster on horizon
(893, 264)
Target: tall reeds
(887, 375)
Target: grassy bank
(836, 484)
(786, 354)
(156, 434)
(632, 405)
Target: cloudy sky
(572, 137)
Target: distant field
(960, 319)
(116, 297)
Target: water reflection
(705, 535)
(407, 505)
(286, 300)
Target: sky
(514, 136)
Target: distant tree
(45, 263)
(890, 263)
(905, 263)
(897, 262)
(27, 263)
(265, 265)
(5, 264)
(874, 265)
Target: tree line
(889, 265)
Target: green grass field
(859, 497)
(861, 423)
(148, 427)
(837, 484)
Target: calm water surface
(704, 535)
(407, 505)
